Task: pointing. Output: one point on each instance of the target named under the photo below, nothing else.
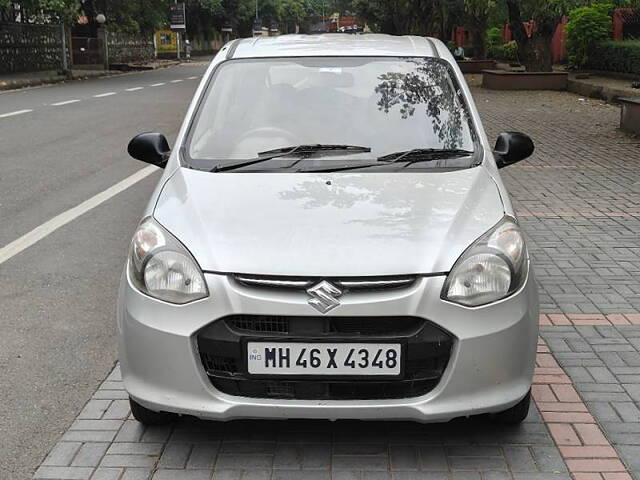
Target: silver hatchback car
(330, 239)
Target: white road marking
(108, 94)
(176, 81)
(157, 84)
(134, 89)
(58, 221)
(192, 78)
(17, 112)
(59, 104)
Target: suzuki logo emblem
(324, 296)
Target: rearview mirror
(512, 147)
(151, 148)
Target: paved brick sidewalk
(104, 436)
(604, 364)
(578, 198)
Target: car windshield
(336, 111)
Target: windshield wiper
(312, 148)
(411, 156)
(302, 150)
(424, 155)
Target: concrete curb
(132, 67)
(80, 75)
(600, 92)
(37, 81)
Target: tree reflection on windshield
(429, 85)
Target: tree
(291, 13)
(203, 16)
(587, 27)
(39, 11)
(534, 51)
(448, 14)
(134, 17)
(399, 17)
(477, 14)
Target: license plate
(275, 358)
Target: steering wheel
(270, 132)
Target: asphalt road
(59, 146)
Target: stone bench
(503, 80)
(476, 66)
(630, 114)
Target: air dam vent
(222, 345)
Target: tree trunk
(535, 51)
(518, 32)
(445, 22)
(478, 27)
(479, 43)
(537, 55)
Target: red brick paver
(586, 451)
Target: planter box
(630, 115)
(502, 80)
(476, 66)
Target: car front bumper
(490, 368)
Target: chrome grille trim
(350, 283)
(389, 283)
(271, 282)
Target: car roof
(336, 44)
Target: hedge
(621, 57)
(507, 52)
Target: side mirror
(511, 147)
(151, 148)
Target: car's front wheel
(149, 417)
(515, 414)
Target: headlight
(161, 267)
(493, 268)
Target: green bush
(507, 52)
(494, 37)
(620, 57)
(510, 51)
(493, 51)
(588, 26)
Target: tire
(515, 414)
(149, 417)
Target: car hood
(328, 224)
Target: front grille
(364, 326)
(218, 364)
(367, 326)
(259, 323)
(221, 347)
(345, 283)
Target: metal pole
(65, 58)
(177, 40)
(155, 46)
(106, 49)
(256, 9)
